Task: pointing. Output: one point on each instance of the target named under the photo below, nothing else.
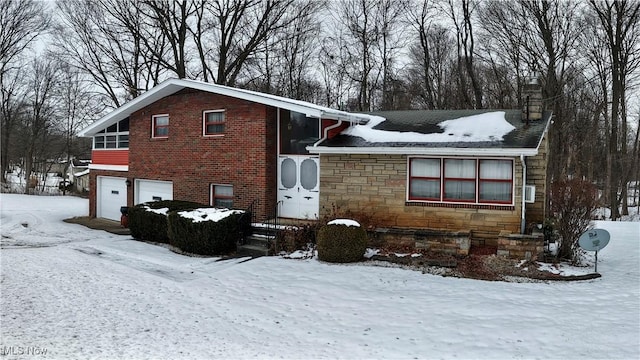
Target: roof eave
(424, 151)
(171, 86)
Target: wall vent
(529, 193)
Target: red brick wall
(244, 157)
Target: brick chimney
(532, 99)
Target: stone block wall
(517, 246)
(444, 242)
(537, 175)
(376, 187)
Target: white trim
(109, 167)
(172, 86)
(424, 151)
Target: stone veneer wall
(516, 246)
(537, 175)
(375, 186)
(445, 242)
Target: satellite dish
(594, 239)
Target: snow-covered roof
(172, 86)
(441, 132)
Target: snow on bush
(346, 222)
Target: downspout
(326, 132)
(524, 184)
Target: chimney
(532, 99)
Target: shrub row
(207, 231)
(152, 226)
(208, 237)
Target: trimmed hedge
(341, 243)
(208, 237)
(150, 226)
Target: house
(78, 175)
(478, 172)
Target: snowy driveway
(73, 293)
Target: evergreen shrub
(339, 243)
(208, 237)
(151, 226)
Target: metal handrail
(274, 225)
(250, 210)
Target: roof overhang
(423, 151)
(172, 86)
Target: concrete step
(253, 250)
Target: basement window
(222, 196)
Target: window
(459, 180)
(222, 196)
(160, 126)
(425, 179)
(495, 181)
(116, 136)
(213, 122)
(475, 181)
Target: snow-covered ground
(69, 292)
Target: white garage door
(112, 194)
(151, 190)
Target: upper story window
(160, 126)
(213, 123)
(475, 181)
(115, 136)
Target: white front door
(112, 194)
(299, 186)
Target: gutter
(524, 184)
(326, 134)
(516, 152)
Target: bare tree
(283, 64)
(12, 107)
(240, 31)
(107, 40)
(40, 116)
(172, 18)
(75, 104)
(21, 22)
(619, 21)
(429, 57)
(461, 12)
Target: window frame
(104, 138)
(155, 127)
(477, 182)
(213, 197)
(206, 123)
(427, 178)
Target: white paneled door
(299, 186)
(112, 194)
